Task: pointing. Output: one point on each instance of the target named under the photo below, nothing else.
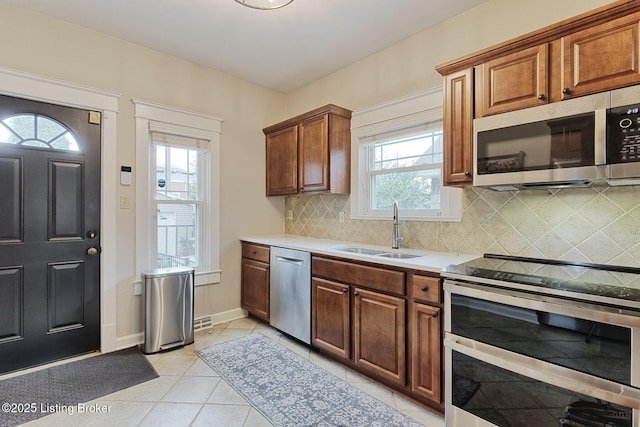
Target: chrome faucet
(395, 237)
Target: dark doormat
(34, 395)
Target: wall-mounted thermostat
(125, 175)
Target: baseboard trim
(216, 319)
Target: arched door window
(35, 130)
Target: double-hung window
(177, 190)
(406, 167)
(178, 198)
(397, 157)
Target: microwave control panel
(623, 139)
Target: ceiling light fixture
(264, 4)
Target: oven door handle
(545, 303)
(546, 372)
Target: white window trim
(401, 113)
(151, 117)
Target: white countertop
(426, 261)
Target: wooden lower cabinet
(331, 327)
(426, 350)
(254, 294)
(379, 334)
(383, 322)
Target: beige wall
(37, 44)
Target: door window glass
(34, 130)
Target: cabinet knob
(356, 293)
(345, 290)
(467, 173)
(424, 289)
(434, 314)
(566, 90)
(541, 97)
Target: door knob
(92, 251)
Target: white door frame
(38, 88)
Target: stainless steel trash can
(168, 308)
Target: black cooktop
(608, 283)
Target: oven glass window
(590, 347)
(507, 399)
(551, 144)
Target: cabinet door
(330, 326)
(313, 155)
(600, 58)
(255, 288)
(379, 334)
(426, 351)
(513, 81)
(282, 162)
(458, 128)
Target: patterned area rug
(61, 387)
(291, 391)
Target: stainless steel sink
(377, 252)
(363, 251)
(398, 255)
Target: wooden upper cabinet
(511, 82)
(458, 128)
(310, 153)
(313, 154)
(282, 161)
(600, 58)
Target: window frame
(407, 114)
(200, 129)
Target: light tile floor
(189, 393)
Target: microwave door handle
(600, 137)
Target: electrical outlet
(341, 217)
(124, 202)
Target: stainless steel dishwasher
(290, 292)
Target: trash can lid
(171, 271)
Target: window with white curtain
(397, 156)
(177, 190)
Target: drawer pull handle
(355, 294)
(424, 289)
(434, 314)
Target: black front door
(49, 232)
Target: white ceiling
(281, 49)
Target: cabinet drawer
(425, 288)
(371, 277)
(256, 252)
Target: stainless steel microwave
(578, 142)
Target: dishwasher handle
(290, 260)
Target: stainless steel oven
(533, 342)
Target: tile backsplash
(598, 224)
